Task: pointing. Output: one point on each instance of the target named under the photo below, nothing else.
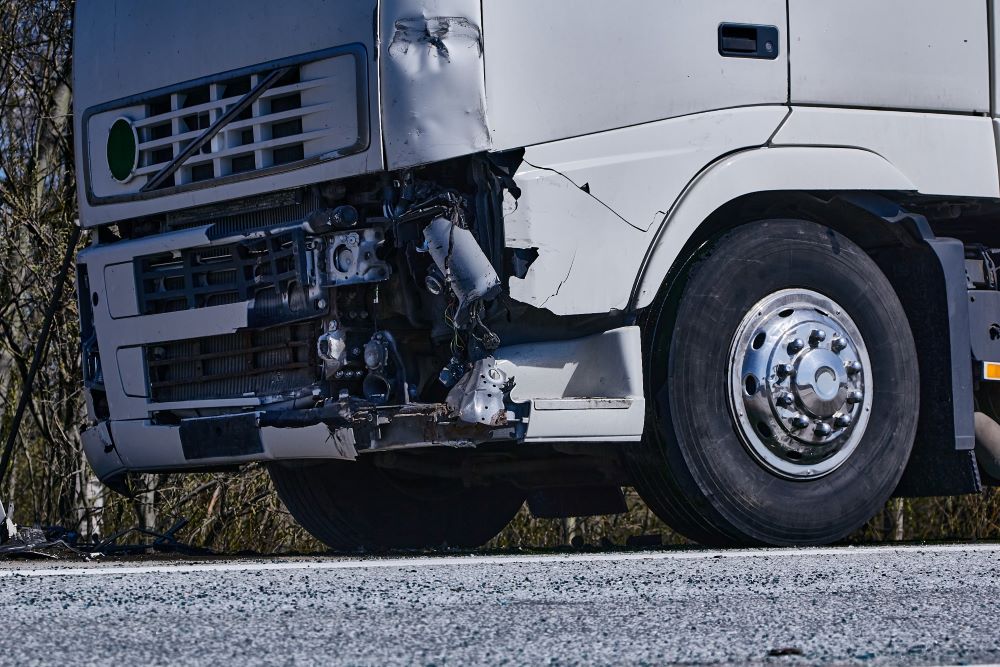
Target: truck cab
(428, 259)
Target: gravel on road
(883, 605)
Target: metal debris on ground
(56, 542)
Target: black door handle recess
(743, 40)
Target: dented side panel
(432, 83)
(591, 206)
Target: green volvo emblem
(123, 150)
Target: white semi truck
(428, 259)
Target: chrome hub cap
(800, 383)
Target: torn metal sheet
(592, 205)
(478, 396)
(583, 263)
(432, 80)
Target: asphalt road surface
(879, 605)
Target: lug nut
(785, 399)
(800, 421)
(842, 421)
(853, 367)
(795, 346)
(823, 429)
(854, 397)
(838, 344)
(816, 337)
(783, 370)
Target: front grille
(316, 110)
(264, 269)
(262, 362)
(270, 132)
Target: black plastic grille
(262, 362)
(263, 268)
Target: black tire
(355, 505)
(694, 470)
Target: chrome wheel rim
(800, 384)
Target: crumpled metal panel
(432, 80)
(478, 396)
(462, 262)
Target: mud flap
(929, 279)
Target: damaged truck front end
(377, 318)
(281, 273)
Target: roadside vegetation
(50, 483)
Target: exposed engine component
(478, 397)
(332, 349)
(434, 281)
(350, 258)
(460, 259)
(326, 220)
(385, 370)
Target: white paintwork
(132, 371)
(433, 92)
(761, 170)
(894, 54)
(143, 445)
(942, 154)
(315, 441)
(564, 69)
(603, 366)
(100, 451)
(591, 245)
(119, 279)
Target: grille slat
(272, 131)
(260, 362)
(155, 363)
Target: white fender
(759, 170)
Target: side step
(583, 390)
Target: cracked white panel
(902, 54)
(591, 245)
(562, 69)
(432, 81)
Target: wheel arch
(860, 198)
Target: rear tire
(799, 452)
(355, 505)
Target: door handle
(744, 40)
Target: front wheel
(785, 390)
